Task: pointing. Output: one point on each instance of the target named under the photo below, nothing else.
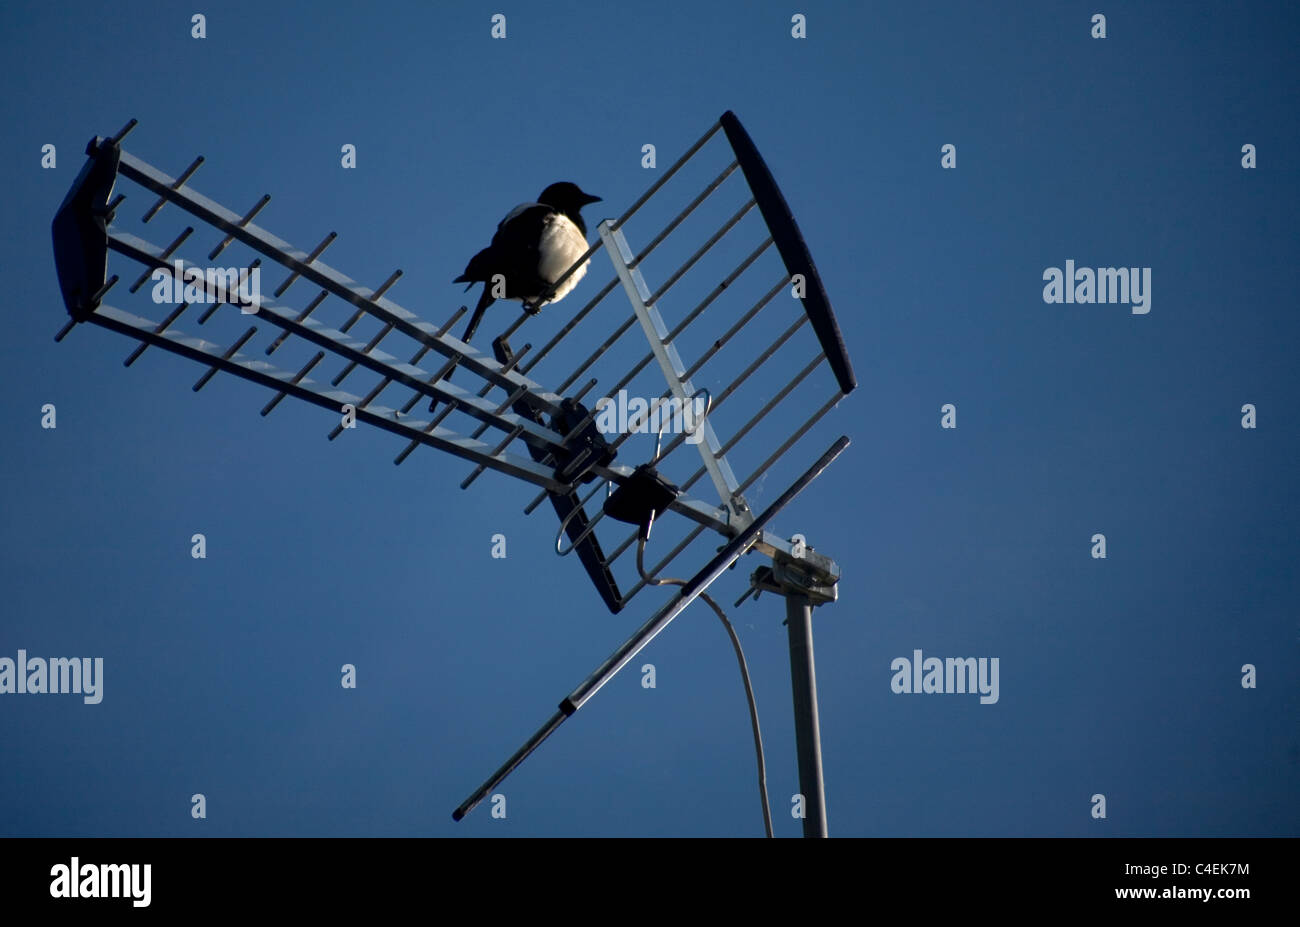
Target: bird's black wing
(514, 249)
(519, 233)
(515, 252)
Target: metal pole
(657, 622)
(808, 738)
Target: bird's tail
(484, 301)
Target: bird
(532, 248)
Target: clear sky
(1119, 676)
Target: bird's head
(567, 197)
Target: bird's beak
(590, 199)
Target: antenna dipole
(546, 437)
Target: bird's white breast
(561, 245)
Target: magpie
(532, 248)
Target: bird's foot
(532, 308)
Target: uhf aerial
(698, 337)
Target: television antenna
(545, 437)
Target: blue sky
(1119, 676)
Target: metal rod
(694, 313)
(487, 387)
(316, 252)
(345, 288)
(758, 361)
(807, 731)
(510, 399)
(103, 290)
(671, 365)
(786, 444)
(352, 351)
(234, 349)
(703, 249)
(619, 551)
(180, 182)
(740, 323)
(302, 317)
(370, 346)
(166, 253)
(455, 316)
(654, 187)
(295, 379)
(386, 381)
(446, 371)
(248, 217)
(478, 471)
(648, 631)
(221, 302)
(162, 327)
(636, 421)
(93, 302)
(595, 355)
(659, 567)
(424, 349)
(577, 397)
(384, 287)
(681, 216)
(348, 349)
(437, 419)
(507, 403)
(545, 731)
(117, 139)
(717, 290)
(356, 317)
(627, 377)
(758, 416)
(386, 419)
(570, 325)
